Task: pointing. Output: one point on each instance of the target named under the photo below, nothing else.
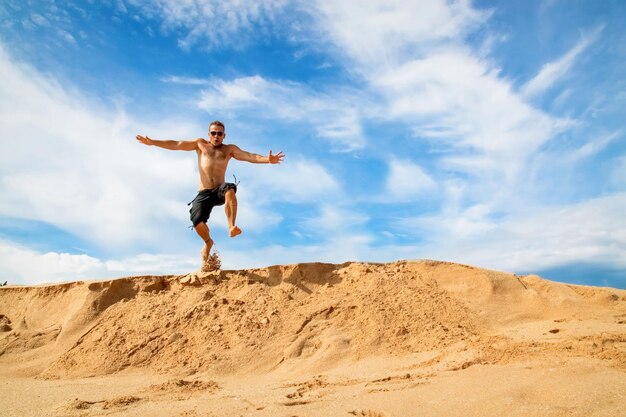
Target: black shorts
(204, 202)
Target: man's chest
(210, 155)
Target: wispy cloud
(175, 79)
(376, 33)
(455, 99)
(618, 174)
(417, 60)
(595, 145)
(210, 23)
(335, 220)
(243, 92)
(407, 180)
(335, 116)
(39, 20)
(551, 72)
(45, 17)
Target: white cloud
(211, 23)
(242, 92)
(407, 180)
(376, 33)
(20, 265)
(454, 96)
(415, 58)
(298, 181)
(120, 6)
(562, 98)
(185, 80)
(149, 263)
(553, 71)
(66, 36)
(459, 223)
(334, 116)
(597, 144)
(335, 220)
(75, 164)
(23, 266)
(344, 248)
(342, 124)
(454, 99)
(530, 237)
(39, 20)
(618, 174)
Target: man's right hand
(145, 140)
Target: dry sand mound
(306, 319)
(306, 315)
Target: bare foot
(234, 231)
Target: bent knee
(201, 225)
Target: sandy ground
(401, 339)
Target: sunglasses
(216, 133)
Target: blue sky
(485, 133)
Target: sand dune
(400, 339)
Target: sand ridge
(343, 325)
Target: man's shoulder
(231, 147)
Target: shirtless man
(213, 158)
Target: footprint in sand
(183, 386)
(368, 413)
(120, 402)
(193, 413)
(117, 402)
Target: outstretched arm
(174, 145)
(240, 155)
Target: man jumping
(213, 158)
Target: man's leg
(231, 212)
(203, 231)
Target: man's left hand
(276, 159)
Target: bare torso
(212, 163)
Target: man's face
(216, 135)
